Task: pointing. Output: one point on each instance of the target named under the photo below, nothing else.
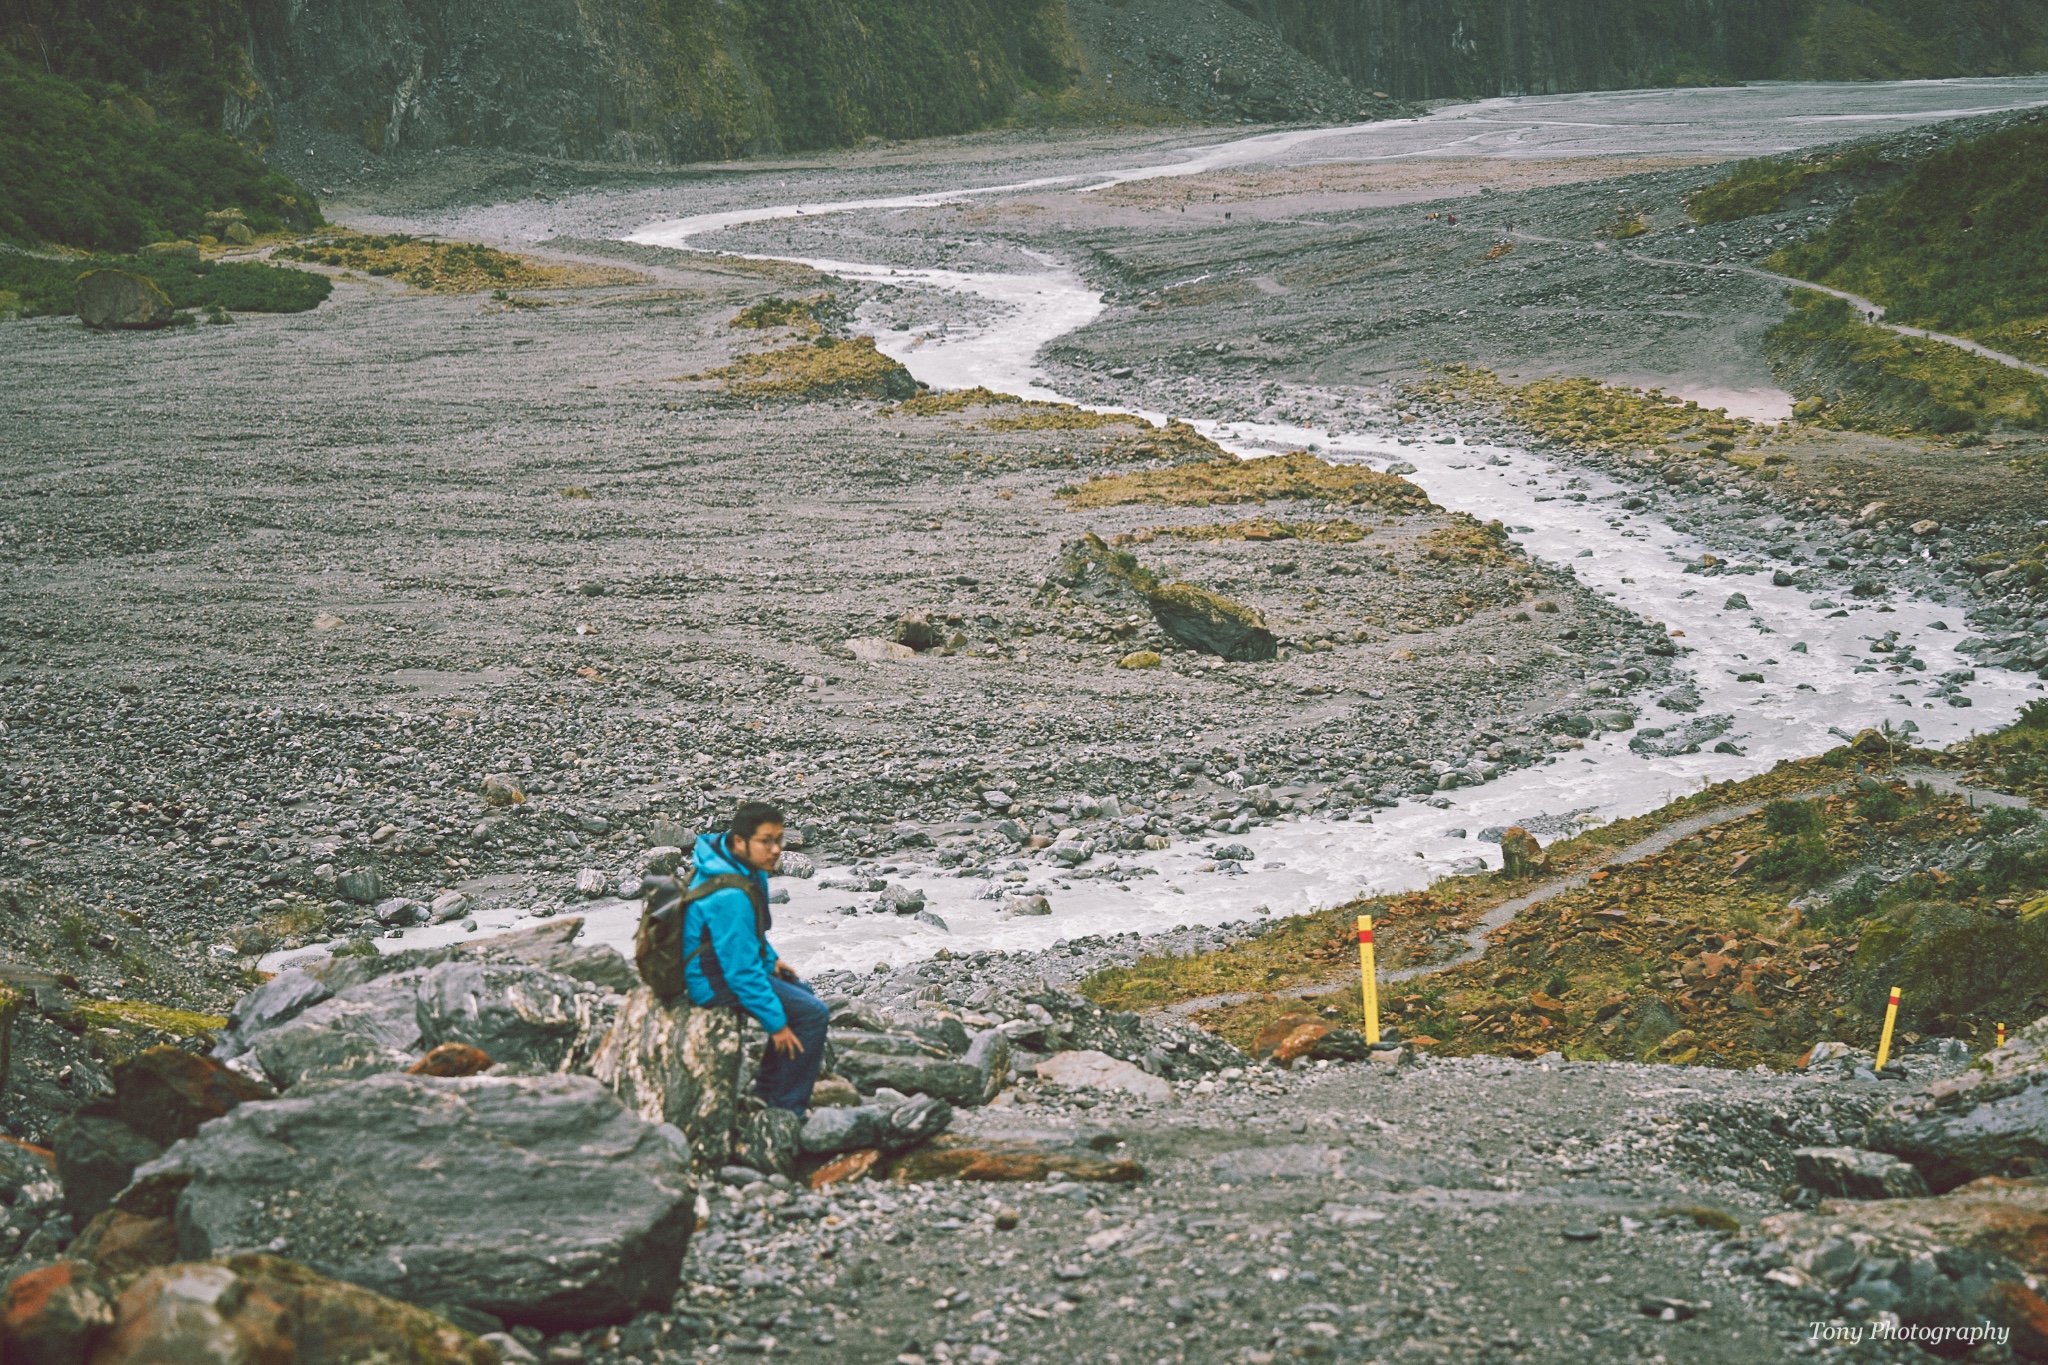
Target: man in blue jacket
(729, 961)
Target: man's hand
(785, 971)
(786, 1042)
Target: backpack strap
(726, 881)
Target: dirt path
(1873, 312)
(1500, 916)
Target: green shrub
(1951, 962)
(82, 165)
(1999, 821)
(47, 286)
(1792, 818)
(1880, 805)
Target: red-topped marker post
(1368, 980)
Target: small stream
(1561, 515)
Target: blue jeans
(787, 1082)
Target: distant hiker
(729, 961)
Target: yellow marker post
(1891, 1016)
(2001, 1035)
(1368, 980)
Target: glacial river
(1807, 699)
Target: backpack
(658, 942)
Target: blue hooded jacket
(734, 958)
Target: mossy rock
(1203, 621)
(120, 1029)
(1949, 962)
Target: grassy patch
(1267, 479)
(827, 366)
(91, 166)
(47, 286)
(1596, 416)
(446, 267)
(1959, 245)
(1871, 379)
(776, 311)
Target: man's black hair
(751, 816)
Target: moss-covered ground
(824, 365)
(1745, 942)
(1959, 244)
(445, 267)
(1271, 478)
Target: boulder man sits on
(729, 961)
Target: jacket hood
(711, 860)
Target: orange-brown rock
(452, 1059)
(53, 1315)
(165, 1093)
(851, 1166)
(260, 1310)
(1277, 1032)
(1300, 1043)
(2022, 1312)
(119, 1243)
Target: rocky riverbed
(423, 616)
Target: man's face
(763, 850)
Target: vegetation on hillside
(1761, 185)
(1866, 378)
(1959, 244)
(184, 58)
(1747, 942)
(46, 286)
(90, 165)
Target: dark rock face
(624, 82)
(537, 1199)
(768, 1140)
(164, 1093)
(1846, 1173)
(1419, 49)
(954, 1082)
(1991, 1120)
(95, 1158)
(1203, 621)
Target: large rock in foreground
(246, 1310)
(119, 298)
(1991, 1120)
(680, 1064)
(540, 1199)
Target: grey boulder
(540, 1200)
(1851, 1173)
(830, 1131)
(768, 1140)
(957, 1082)
(1991, 1120)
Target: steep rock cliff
(643, 80)
(1437, 49)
